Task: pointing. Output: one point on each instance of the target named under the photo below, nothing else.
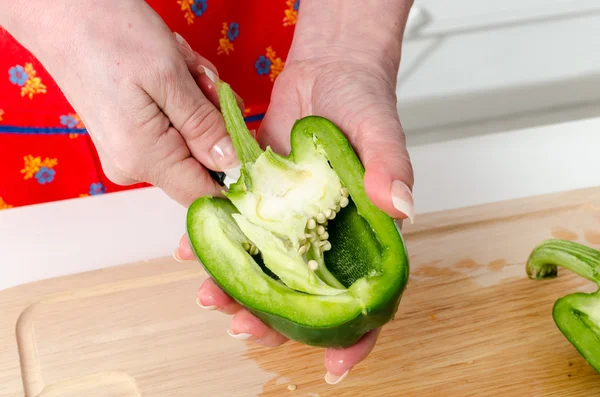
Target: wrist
(362, 31)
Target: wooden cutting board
(470, 324)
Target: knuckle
(204, 122)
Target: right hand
(144, 96)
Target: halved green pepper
(296, 240)
(576, 315)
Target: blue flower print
(263, 65)
(296, 5)
(45, 175)
(97, 188)
(234, 31)
(199, 7)
(68, 121)
(17, 75)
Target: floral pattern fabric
(45, 152)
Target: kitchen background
(473, 67)
(499, 99)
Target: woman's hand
(138, 88)
(354, 87)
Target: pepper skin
(296, 239)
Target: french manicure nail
(211, 307)
(188, 54)
(182, 41)
(224, 156)
(176, 255)
(334, 379)
(209, 73)
(402, 199)
(239, 336)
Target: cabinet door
(469, 61)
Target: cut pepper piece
(576, 315)
(296, 239)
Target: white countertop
(53, 239)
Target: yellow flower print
(276, 64)
(192, 9)
(225, 46)
(269, 64)
(4, 205)
(230, 32)
(33, 85)
(72, 120)
(34, 164)
(25, 77)
(291, 12)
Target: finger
(204, 72)
(190, 113)
(184, 251)
(381, 145)
(211, 297)
(339, 362)
(245, 326)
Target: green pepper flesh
(365, 272)
(577, 315)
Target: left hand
(360, 98)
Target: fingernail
(239, 336)
(403, 200)
(211, 307)
(188, 54)
(209, 73)
(182, 41)
(225, 158)
(334, 379)
(176, 255)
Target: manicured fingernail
(211, 307)
(225, 158)
(403, 200)
(209, 73)
(239, 336)
(188, 53)
(182, 41)
(176, 255)
(334, 379)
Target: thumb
(388, 170)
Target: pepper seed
(313, 265)
(344, 202)
(321, 218)
(311, 224)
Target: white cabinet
(478, 66)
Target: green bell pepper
(577, 315)
(296, 240)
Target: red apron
(45, 151)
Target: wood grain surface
(470, 323)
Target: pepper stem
(580, 259)
(246, 147)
